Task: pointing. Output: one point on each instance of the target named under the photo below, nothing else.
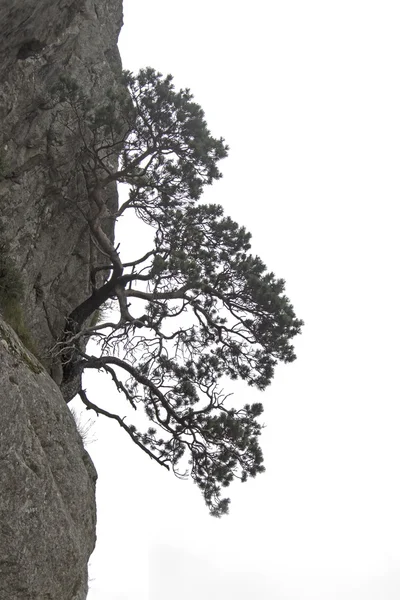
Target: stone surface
(47, 480)
(47, 484)
(42, 188)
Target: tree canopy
(195, 308)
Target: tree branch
(100, 411)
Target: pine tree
(194, 309)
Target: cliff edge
(47, 480)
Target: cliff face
(42, 187)
(47, 485)
(47, 480)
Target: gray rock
(47, 484)
(43, 191)
(47, 480)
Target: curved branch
(90, 406)
(99, 362)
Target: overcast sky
(307, 95)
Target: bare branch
(100, 411)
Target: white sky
(307, 95)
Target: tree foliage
(195, 308)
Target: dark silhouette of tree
(195, 308)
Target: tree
(195, 308)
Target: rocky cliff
(47, 504)
(47, 484)
(42, 187)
